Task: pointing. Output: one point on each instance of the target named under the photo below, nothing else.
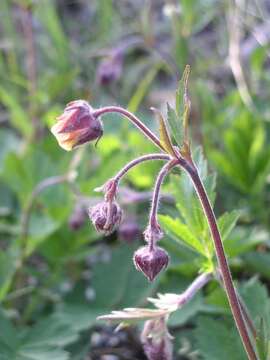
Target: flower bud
(151, 261)
(110, 69)
(106, 216)
(77, 125)
(156, 340)
(129, 231)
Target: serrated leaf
(262, 342)
(183, 104)
(257, 301)
(227, 222)
(181, 232)
(18, 117)
(178, 118)
(130, 288)
(242, 240)
(218, 340)
(163, 133)
(45, 340)
(175, 125)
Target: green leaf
(182, 102)
(118, 284)
(8, 260)
(256, 298)
(257, 301)
(79, 316)
(18, 116)
(178, 118)
(47, 15)
(244, 159)
(258, 263)
(46, 339)
(227, 222)
(218, 339)
(181, 232)
(175, 126)
(9, 142)
(40, 227)
(163, 133)
(243, 239)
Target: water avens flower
(105, 216)
(150, 260)
(80, 123)
(77, 125)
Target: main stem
(222, 260)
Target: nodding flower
(77, 125)
(105, 216)
(150, 261)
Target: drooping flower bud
(156, 340)
(150, 261)
(77, 125)
(110, 68)
(106, 216)
(129, 230)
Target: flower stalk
(136, 121)
(156, 193)
(137, 161)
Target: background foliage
(55, 280)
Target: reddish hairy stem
(156, 193)
(136, 121)
(222, 260)
(137, 161)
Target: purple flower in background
(110, 68)
(77, 217)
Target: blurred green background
(56, 273)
